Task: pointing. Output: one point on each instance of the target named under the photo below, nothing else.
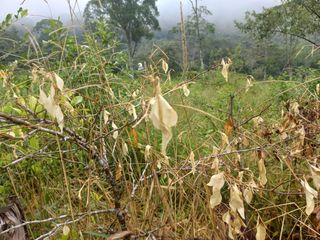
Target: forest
(114, 125)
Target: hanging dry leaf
(224, 140)
(125, 149)
(165, 66)
(59, 81)
(106, 115)
(51, 106)
(132, 111)
(261, 231)
(163, 117)
(310, 195)
(216, 182)
(185, 89)
(115, 133)
(248, 195)
(262, 172)
(225, 68)
(215, 164)
(227, 219)
(315, 172)
(249, 83)
(236, 202)
(318, 88)
(147, 152)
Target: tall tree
(134, 18)
(197, 24)
(296, 18)
(198, 28)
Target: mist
(224, 13)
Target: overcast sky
(224, 11)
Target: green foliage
(294, 17)
(134, 19)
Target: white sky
(223, 10)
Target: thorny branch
(101, 157)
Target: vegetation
(92, 149)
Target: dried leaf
(216, 182)
(262, 172)
(106, 115)
(52, 107)
(132, 111)
(215, 163)
(59, 82)
(236, 202)
(185, 89)
(119, 235)
(228, 126)
(310, 195)
(165, 66)
(227, 219)
(224, 140)
(315, 172)
(163, 117)
(125, 149)
(261, 231)
(249, 83)
(318, 88)
(225, 68)
(65, 230)
(248, 195)
(115, 133)
(147, 152)
(294, 108)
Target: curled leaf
(310, 195)
(147, 152)
(163, 117)
(132, 111)
(249, 83)
(216, 182)
(59, 81)
(115, 133)
(262, 172)
(236, 202)
(51, 106)
(106, 115)
(261, 231)
(165, 66)
(225, 68)
(125, 149)
(185, 89)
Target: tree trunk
(130, 49)
(196, 13)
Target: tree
(296, 18)
(45, 27)
(134, 18)
(197, 24)
(197, 30)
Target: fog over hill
(224, 12)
